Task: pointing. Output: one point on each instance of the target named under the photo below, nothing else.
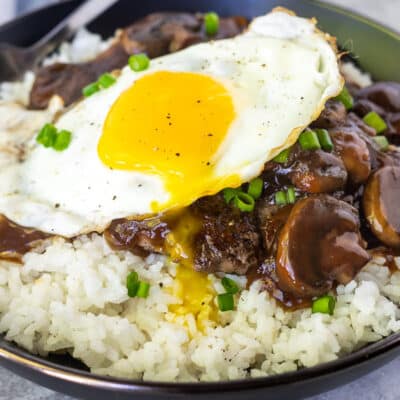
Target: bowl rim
(366, 354)
(11, 353)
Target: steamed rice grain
(72, 297)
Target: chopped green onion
(63, 140)
(225, 302)
(132, 284)
(283, 156)
(280, 198)
(211, 23)
(346, 98)
(244, 202)
(106, 80)
(143, 290)
(309, 140)
(255, 188)
(324, 139)
(229, 285)
(139, 62)
(47, 135)
(90, 89)
(229, 194)
(291, 196)
(382, 142)
(324, 305)
(375, 121)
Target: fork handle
(80, 17)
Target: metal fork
(14, 61)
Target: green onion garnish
(309, 140)
(324, 139)
(225, 302)
(324, 305)
(50, 137)
(106, 80)
(229, 285)
(290, 196)
(132, 283)
(346, 98)
(382, 142)
(229, 194)
(211, 23)
(283, 156)
(280, 198)
(139, 62)
(255, 188)
(90, 89)
(244, 202)
(47, 135)
(375, 121)
(143, 290)
(63, 140)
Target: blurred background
(386, 11)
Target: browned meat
(393, 131)
(363, 106)
(161, 33)
(389, 158)
(67, 80)
(381, 205)
(157, 34)
(394, 121)
(17, 240)
(271, 219)
(319, 244)
(223, 238)
(139, 237)
(228, 240)
(354, 122)
(384, 99)
(333, 115)
(354, 153)
(384, 94)
(318, 172)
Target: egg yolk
(196, 294)
(171, 124)
(193, 288)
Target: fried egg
(193, 123)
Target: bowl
(370, 43)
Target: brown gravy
(266, 273)
(17, 240)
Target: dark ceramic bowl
(377, 50)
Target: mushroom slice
(334, 114)
(318, 172)
(381, 205)
(319, 244)
(354, 153)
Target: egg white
(279, 73)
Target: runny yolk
(193, 288)
(197, 300)
(171, 124)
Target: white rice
(72, 297)
(354, 75)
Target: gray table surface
(379, 385)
